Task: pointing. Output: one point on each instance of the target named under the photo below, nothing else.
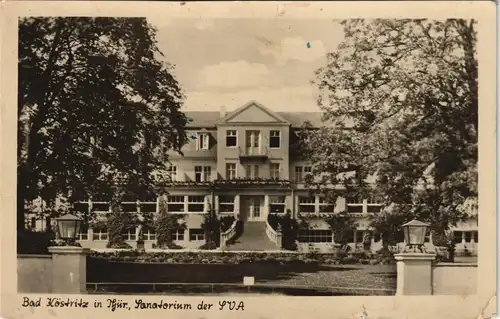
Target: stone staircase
(253, 237)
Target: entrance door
(254, 209)
(252, 142)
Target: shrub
(288, 227)
(166, 225)
(117, 222)
(360, 254)
(212, 227)
(226, 222)
(466, 252)
(30, 242)
(349, 260)
(208, 246)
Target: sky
(228, 62)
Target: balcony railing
(259, 153)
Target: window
(147, 207)
(198, 173)
(129, 207)
(172, 172)
(252, 139)
(226, 204)
(354, 204)
(149, 234)
(231, 138)
(306, 204)
(202, 173)
(31, 223)
(468, 237)
(274, 139)
(252, 171)
(349, 236)
(203, 141)
(48, 223)
(277, 204)
(316, 236)
(196, 204)
(298, 174)
(129, 234)
(476, 237)
(178, 235)
(100, 207)
(427, 238)
(175, 203)
(360, 234)
(100, 234)
(84, 233)
(373, 204)
(457, 236)
(81, 207)
(325, 206)
(307, 169)
(196, 234)
(274, 170)
(207, 173)
(230, 170)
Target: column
(365, 206)
(266, 207)
(206, 203)
(69, 269)
(316, 204)
(237, 206)
(414, 273)
(216, 204)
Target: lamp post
(68, 227)
(414, 265)
(414, 232)
(69, 263)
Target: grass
(301, 276)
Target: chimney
(222, 111)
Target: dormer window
(203, 141)
(274, 139)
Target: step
(254, 237)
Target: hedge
(241, 258)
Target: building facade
(254, 146)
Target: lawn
(341, 279)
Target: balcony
(253, 153)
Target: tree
(166, 225)
(341, 225)
(97, 105)
(400, 99)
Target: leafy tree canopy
(97, 106)
(401, 100)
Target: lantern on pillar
(68, 227)
(415, 232)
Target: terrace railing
(228, 235)
(275, 236)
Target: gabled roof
(249, 105)
(209, 119)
